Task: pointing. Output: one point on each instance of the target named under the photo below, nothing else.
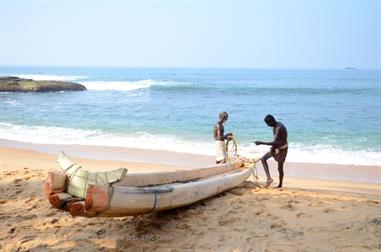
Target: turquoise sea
(332, 116)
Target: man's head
(223, 116)
(270, 121)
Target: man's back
(280, 135)
(219, 132)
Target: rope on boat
(250, 163)
(231, 145)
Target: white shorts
(220, 150)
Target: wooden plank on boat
(55, 183)
(62, 200)
(77, 208)
(160, 178)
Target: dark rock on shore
(16, 84)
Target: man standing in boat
(219, 137)
(278, 150)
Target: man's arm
(264, 143)
(273, 143)
(228, 135)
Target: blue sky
(238, 34)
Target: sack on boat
(79, 178)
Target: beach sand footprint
(262, 199)
(18, 191)
(27, 239)
(272, 217)
(278, 224)
(373, 202)
(253, 237)
(32, 207)
(28, 217)
(376, 221)
(11, 173)
(17, 181)
(303, 215)
(329, 210)
(289, 206)
(224, 220)
(239, 191)
(29, 199)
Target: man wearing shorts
(219, 138)
(278, 150)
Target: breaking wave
(142, 140)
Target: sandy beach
(307, 215)
(110, 109)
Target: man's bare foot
(268, 182)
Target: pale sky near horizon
(236, 34)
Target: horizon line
(197, 67)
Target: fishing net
(79, 178)
(231, 145)
(231, 149)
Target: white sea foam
(141, 140)
(323, 154)
(297, 152)
(50, 77)
(127, 85)
(118, 85)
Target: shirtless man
(219, 137)
(278, 149)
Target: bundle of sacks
(68, 190)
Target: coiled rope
(231, 146)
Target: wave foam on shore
(297, 152)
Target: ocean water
(332, 116)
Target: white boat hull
(124, 201)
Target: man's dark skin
(278, 150)
(218, 132)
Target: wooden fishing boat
(156, 178)
(134, 194)
(121, 201)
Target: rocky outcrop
(16, 84)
